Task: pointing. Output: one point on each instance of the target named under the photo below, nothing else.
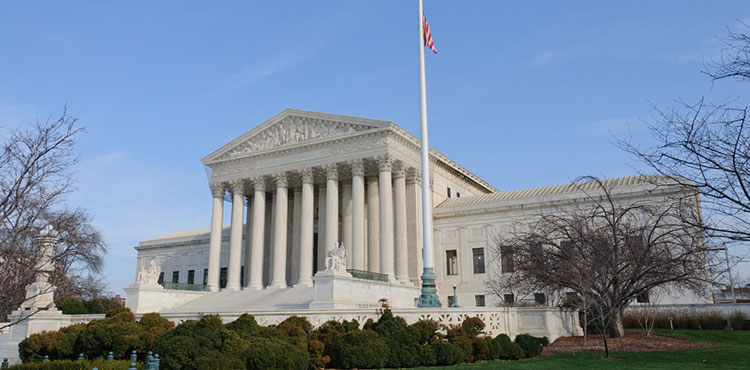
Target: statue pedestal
(152, 297)
(339, 290)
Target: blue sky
(524, 94)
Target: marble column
(306, 228)
(259, 221)
(294, 253)
(346, 221)
(332, 208)
(414, 223)
(279, 232)
(401, 242)
(248, 240)
(373, 225)
(235, 237)
(321, 229)
(358, 214)
(386, 216)
(214, 244)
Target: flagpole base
(428, 297)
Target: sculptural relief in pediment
(292, 130)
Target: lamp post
(455, 297)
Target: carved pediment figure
(291, 130)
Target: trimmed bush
(363, 349)
(245, 326)
(508, 349)
(202, 344)
(58, 345)
(71, 306)
(531, 346)
(272, 353)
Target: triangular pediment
(293, 127)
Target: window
(175, 277)
(540, 298)
(450, 301)
(449, 192)
(223, 278)
(451, 259)
(242, 275)
(161, 278)
(458, 195)
(509, 299)
(479, 299)
(506, 259)
(642, 298)
(478, 254)
(205, 277)
(191, 276)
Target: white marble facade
(303, 182)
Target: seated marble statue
(149, 274)
(336, 260)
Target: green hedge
(208, 343)
(77, 365)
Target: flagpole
(428, 296)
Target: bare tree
(610, 250)
(709, 145)
(36, 165)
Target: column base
(307, 283)
(278, 285)
(255, 286)
(428, 297)
(231, 288)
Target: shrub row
(77, 365)
(684, 319)
(293, 344)
(118, 332)
(74, 306)
(391, 343)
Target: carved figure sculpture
(149, 274)
(336, 260)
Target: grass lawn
(732, 353)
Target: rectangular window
(458, 195)
(506, 259)
(451, 259)
(175, 277)
(478, 254)
(191, 276)
(642, 298)
(205, 277)
(479, 299)
(223, 278)
(161, 278)
(509, 299)
(449, 192)
(540, 298)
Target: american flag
(428, 36)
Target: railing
(183, 286)
(368, 275)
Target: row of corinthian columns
(385, 225)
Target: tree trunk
(616, 330)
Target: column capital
(413, 175)
(385, 162)
(332, 171)
(399, 169)
(281, 180)
(218, 190)
(308, 177)
(358, 167)
(259, 183)
(237, 187)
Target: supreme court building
(326, 215)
